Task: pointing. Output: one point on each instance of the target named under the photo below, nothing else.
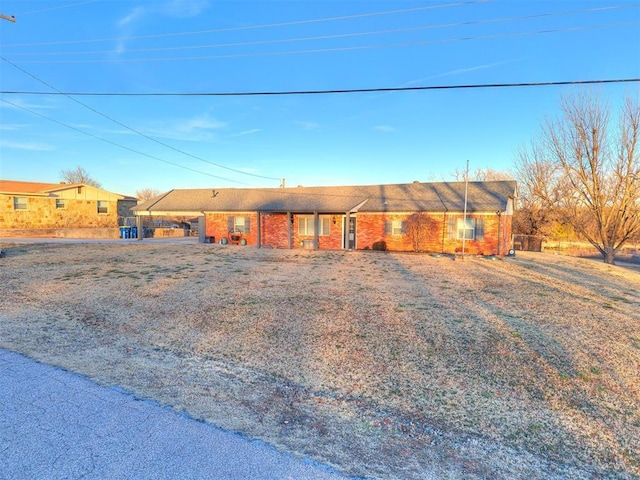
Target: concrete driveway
(58, 425)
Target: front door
(350, 237)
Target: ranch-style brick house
(399, 217)
(60, 209)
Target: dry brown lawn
(379, 364)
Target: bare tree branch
(79, 175)
(586, 170)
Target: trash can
(243, 241)
(223, 241)
(134, 232)
(122, 230)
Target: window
(103, 206)
(466, 229)
(19, 203)
(306, 226)
(471, 229)
(60, 203)
(394, 227)
(238, 224)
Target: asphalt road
(55, 424)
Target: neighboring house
(36, 206)
(354, 217)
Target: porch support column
(315, 230)
(259, 228)
(289, 220)
(139, 234)
(347, 221)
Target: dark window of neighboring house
(238, 224)
(306, 225)
(103, 206)
(60, 203)
(394, 227)
(19, 203)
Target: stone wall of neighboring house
(97, 233)
(44, 212)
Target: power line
(251, 27)
(350, 35)
(59, 7)
(344, 49)
(137, 132)
(117, 144)
(329, 92)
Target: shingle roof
(426, 197)
(15, 186)
(38, 188)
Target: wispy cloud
(199, 128)
(36, 147)
(201, 122)
(185, 8)
(133, 16)
(21, 104)
(457, 71)
(126, 26)
(8, 127)
(307, 125)
(384, 128)
(246, 132)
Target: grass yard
(382, 365)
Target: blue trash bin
(122, 232)
(134, 232)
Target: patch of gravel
(382, 365)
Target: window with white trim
(395, 227)
(306, 226)
(60, 203)
(466, 229)
(471, 229)
(238, 224)
(19, 203)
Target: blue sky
(195, 46)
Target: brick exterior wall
(370, 229)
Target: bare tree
(586, 168)
(79, 175)
(482, 175)
(535, 214)
(421, 228)
(147, 193)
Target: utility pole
(464, 218)
(11, 18)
